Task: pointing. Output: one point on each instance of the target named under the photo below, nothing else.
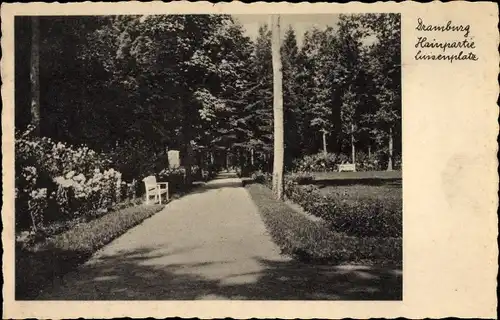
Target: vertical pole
(133, 190)
(353, 150)
(325, 152)
(389, 164)
(277, 110)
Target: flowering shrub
(55, 181)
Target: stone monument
(173, 159)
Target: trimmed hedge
(39, 264)
(311, 240)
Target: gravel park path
(211, 244)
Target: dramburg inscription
(448, 50)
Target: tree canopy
(135, 86)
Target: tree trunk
(353, 148)
(186, 156)
(188, 162)
(241, 159)
(325, 152)
(369, 151)
(35, 74)
(391, 142)
(252, 160)
(278, 162)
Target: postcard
(264, 160)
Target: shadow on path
(131, 276)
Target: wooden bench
(155, 189)
(347, 167)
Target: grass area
(38, 264)
(313, 241)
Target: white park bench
(347, 167)
(155, 189)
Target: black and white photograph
(208, 157)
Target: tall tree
(316, 85)
(385, 71)
(255, 120)
(35, 73)
(277, 110)
(292, 101)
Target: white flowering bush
(56, 181)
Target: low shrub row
(37, 264)
(311, 240)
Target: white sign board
(173, 159)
